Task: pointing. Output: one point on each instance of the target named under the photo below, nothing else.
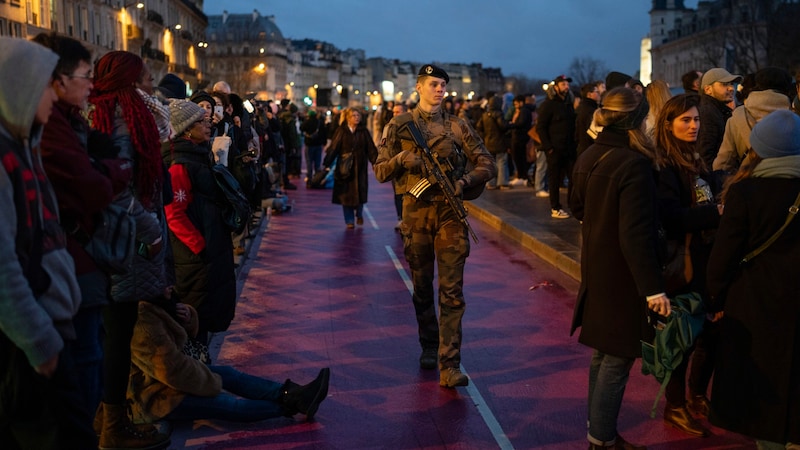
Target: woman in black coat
(615, 198)
(756, 389)
(353, 146)
(201, 243)
(687, 212)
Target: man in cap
(717, 91)
(429, 226)
(771, 93)
(556, 127)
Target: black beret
(199, 96)
(432, 71)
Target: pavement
(524, 218)
(328, 310)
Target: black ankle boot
(305, 399)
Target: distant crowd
(127, 202)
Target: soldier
(430, 228)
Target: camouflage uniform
(429, 227)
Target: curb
(530, 243)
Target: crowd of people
(708, 179)
(100, 354)
(99, 357)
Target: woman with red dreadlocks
(120, 112)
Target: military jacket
(449, 137)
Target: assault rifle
(437, 176)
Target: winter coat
(201, 243)
(756, 389)
(713, 116)
(161, 374)
(679, 215)
(82, 190)
(147, 278)
(519, 127)
(39, 294)
(492, 128)
(352, 191)
(314, 132)
(736, 139)
(583, 120)
(619, 262)
(556, 124)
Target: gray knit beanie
(776, 135)
(183, 113)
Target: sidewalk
(521, 216)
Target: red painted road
(315, 294)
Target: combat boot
(451, 377)
(118, 433)
(305, 399)
(429, 358)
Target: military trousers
(434, 238)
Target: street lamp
(139, 5)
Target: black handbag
(113, 243)
(344, 167)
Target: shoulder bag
(344, 167)
(113, 242)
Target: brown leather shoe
(679, 417)
(698, 405)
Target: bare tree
(586, 70)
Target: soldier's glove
(409, 160)
(458, 186)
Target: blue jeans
(313, 159)
(501, 162)
(87, 351)
(608, 375)
(255, 399)
(540, 177)
(350, 213)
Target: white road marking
(477, 399)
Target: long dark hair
(678, 153)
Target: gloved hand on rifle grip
(458, 186)
(409, 159)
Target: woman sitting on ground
(166, 383)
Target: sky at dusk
(536, 38)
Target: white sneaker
(542, 194)
(559, 214)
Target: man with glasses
(83, 188)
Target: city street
(315, 294)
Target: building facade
(246, 50)
(164, 33)
(741, 36)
